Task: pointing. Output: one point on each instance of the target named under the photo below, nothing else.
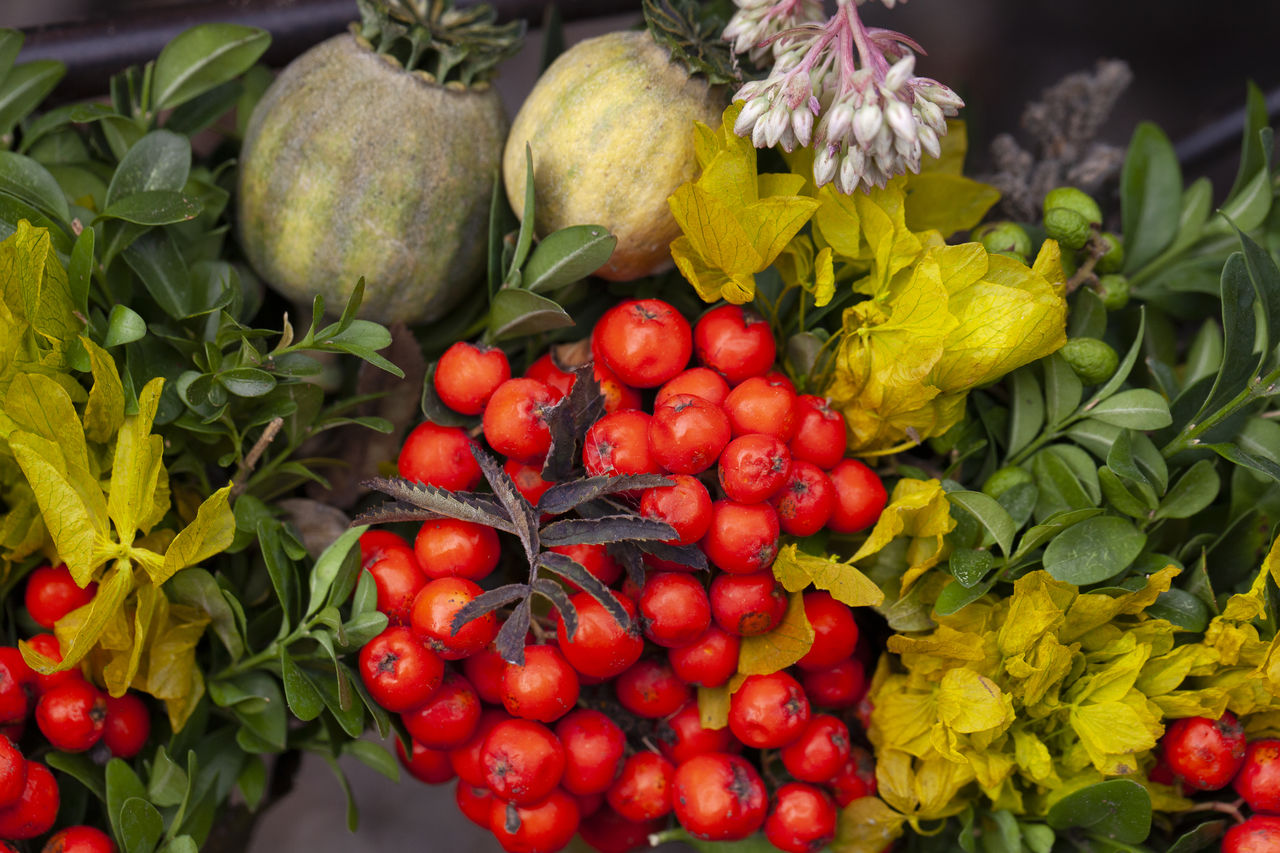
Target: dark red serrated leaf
(563, 497)
(602, 531)
(510, 640)
(487, 602)
(690, 556)
(632, 559)
(569, 422)
(392, 512)
(553, 592)
(574, 572)
(524, 517)
(465, 506)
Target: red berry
(1259, 779)
(805, 501)
(617, 394)
(515, 419)
(545, 370)
(433, 611)
(645, 342)
(449, 718)
(128, 725)
(735, 342)
(820, 436)
(674, 609)
(467, 759)
(52, 593)
(748, 605)
(742, 538)
(72, 716)
(768, 711)
(681, 736)
(467, 375)
(540, 827)
(719, 797)
(35, 811)
(527, 479)
(643, 788)
(79, 839)
(651, 689)
(15, 678)
(450, 548)
(48, 645)
(440, 456)
(753, 468)
(594, 747)
(820, 752)
(761, 406)
(376, 543)
(544, 689)
(595, 559)
(429, 766)
(709, 661)
(687, 434)
(700, 382)
(860, 496)
(1205, 754)
(398, 669)
(476, 802)
(398, 579)
(13, 772)
(1259, 834)
(523, 761)
(619, 444)
(802, 820)
(857, 779)
(685, 505)
(839, 686)
(484, 670)
(608, 832)
(600, 648)
(835, 633)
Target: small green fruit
(1068, 227)
(1004, 237)
(1073, 199)
(1113, 260)
(1005, 479)
(1094, 361)
(1114, 291)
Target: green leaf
(1239, 328)
(1232, 453)
(303, 698)
(1260, 437)
(1203, 837)
(970, 566)
(990, 515)
(1088, 316)
(81, 768)
(252, 781)
(1182, 609)
(182, 844)
(167, 785)
(525, 237)
(353, 812)
(1121, 495)
(1126, 365)
(1150, 196)
(1137, 408)
(1026, 410)
(1093, 550)
(1249, 208)
(1204, 357)
(567, 255)
(954, 597)
(159, 263)
(124, 326)
(247, 381)
(202, 58)
(265, 718)
(1253, 158)
(195, 587)
(344, 549)
(26, 179)
(122, 784)
(80, 270)
(1062, 389)
(1193, 492)
(153, 207)
(518, 312)
(24, 87)
(161, 160)
(11, 43)
(1119, 809)
(373, 756)
(1265, 277)
(140, 826)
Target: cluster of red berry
(1201, 754)
(71, 714)
(544, 759)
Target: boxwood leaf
(969, 566)
(1193, 491)
(567, 255)
(516, 312)
(24, 87)
(990, 514)
(301, 694)
(161, 160)
(153, 207)
(1181, 608)
(1093, 550)
(1150, 196)
(202, 58)
(1137, 408)
(28, 180)
(1119, 809)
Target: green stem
(1256, 389)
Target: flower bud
(825, 164)
(851, 169)
(867, 122)
(929, 142)
(899, 116)
(802, 125)
(839, 121)
(775, 122)
(900, 73)
(931, 115)
(750, 114)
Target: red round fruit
(13, 772)
(1259, 779)
(440, 456)
(523, 761)
(747, 605)
(434, 609)
(685, 505)
(835, 633)
(674, 609)
(544, 689)
(595, 559)
(474, 801)
(128, 725)
(593, 747)
(820, 432)
(35, 811)
(719, 797)
(449, 718)
(467, 375)
(451, 548)
(48, 645)
(805, 501)
(681, 736)
(601, 648)
(839, 686)
(515, 420)
(52, 593)
(467, 759)
(15, 678)
(619, 444)
(375, 543)
(398, 579)
(698, 381)
(761, 406)
(541, 827)
(856, 779)
(398, 669)
(642, 790)
(687, 434)
(527, 479)
(768, 711)
(709, 661)
(484, 670)
(645, 341)
(651, 689)
(802, 819)
(753, 468)
(1259, 834)
(545, 370)
(860, 497)
(735, 342)
(430, 766)
(72, 716)
(742, 538)
(79, 839)
(821, 750)
(617, 394)
(608, 832)
(1205, 754)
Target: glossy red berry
(398, 669)
(72, 716)
(700, 382)
(429, 766)
(398, 579)
(645, 342)
(651, 689)
(735, 342)
(485, 670)
(440, 456)
(856, 779)
(13, 772)
(35, 811)
(541, 827)
(52, 593)
(742, 538)
(835, 633)
(747, 605)
(806, 500)
(523, 761)
(1205, 754)
(687, 434)
(709, 661)
(595, 559)
(467, 759)
(820, 436)
(754, 468)
(719, 797)
(761, 406)
(594, 747)
(860, 497)
(545, 370)
(15, 678)
(527, 479)
(839, 686)
(619, 444)
(642, 790)
(79, 839)
(608, 832)
(448, 718)
(128, 725)
(467, 375)
(674, 609)
(434, 609)
(1259, 778)
(821, 750)
(617, 394)
(545, 688)
(1259, 834)
(681, 736)
(768, 711)
(475, 802)
(48, 645)
(685, 505)
(451, 548)
(802, 819)
(601, 648)
(515, 419)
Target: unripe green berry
(1004, 237)
(1113, 259)
(1068, 227)
(1005, 479)
(1114, 291)
(1073, 199)
(1092, 360)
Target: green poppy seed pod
(1073, 199)
(1114, 291)
(1004, 237)
(1113, 259)
(1067, 226)
(1092, 360)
